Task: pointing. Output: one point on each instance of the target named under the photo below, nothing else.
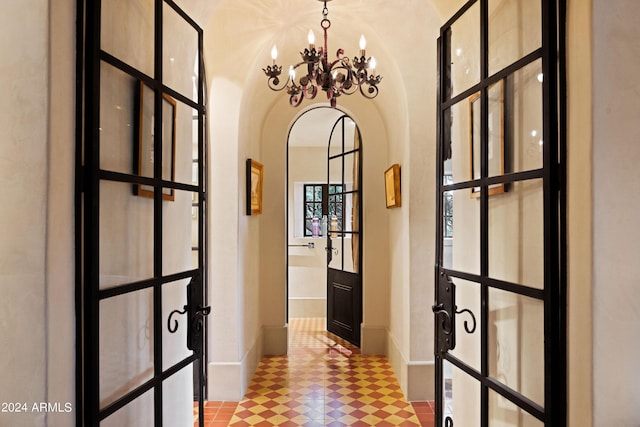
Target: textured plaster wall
(23, 212)
(616, 201)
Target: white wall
(616, 201)
(36, 170)
(23, 215)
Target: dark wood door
(344, 231)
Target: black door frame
(90, 56)
(553, 174)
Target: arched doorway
(323, 221)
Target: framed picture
(254, 187)
(144, 150)
(392, 186)
(495, 141)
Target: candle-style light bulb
(372, 65)
(274, 53)
(312, 39)
(363, 45)
(292, 73)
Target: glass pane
(174, 345)
(185, 145)
(308, 195)
(177, 395)
(468, 344)
(464, 247)
(516, 343)
(178, 228)
(308, 227)
(145, 152)
(138, 413)
(126, 235)
(335, 170)
(460, 138)
(465, 50)
(126, 344)
(350, 173)
(342, 140)
(447, 212)
(515, 30)
(195, 124)
(195, 242)
(350, 140)
(351, 210)
(180, 54)
(317, 210)
(336, 254)
(351, 253)
(118, 118)
(128, 32)
(461, 398)
(496, 133)
(516, 234)
(503, 413)
(523, 119)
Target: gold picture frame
(254, 187)
(144, 150)
(392, 186)
(495, 140)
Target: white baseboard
(230, 380)
(307, 307)
(416, 377)
(373, 339)
(275, 340)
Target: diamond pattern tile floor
(324, 381)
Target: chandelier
(336, 78)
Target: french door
(500, 278)
(344, 231)
(141, 204)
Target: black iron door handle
(174, 327)
(447, 309)
(196, 313)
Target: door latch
(196, 313)
(445, 311)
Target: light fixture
(336, 78)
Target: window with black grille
(319, 200)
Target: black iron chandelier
(336, 78)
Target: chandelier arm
(295, 100)
(371, 92)
(273, 83)
(311, 91)
(348, 84)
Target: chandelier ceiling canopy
(338, 77)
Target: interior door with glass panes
(141, 204)
(499, 310)
(344, 234)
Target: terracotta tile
(324, 380)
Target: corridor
(323, 381)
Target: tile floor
(323, 381)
